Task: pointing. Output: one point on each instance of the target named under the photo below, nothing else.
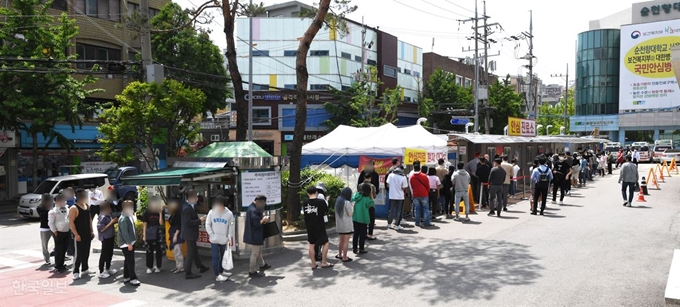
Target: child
(46, 205)
(153, 238)
(106, 235)
(220, 227)
(126, 242)
(175, 220)
(59, 225)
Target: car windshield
(45, 187)
(661, 148)
(112, 173)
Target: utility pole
(250, 77)
(476, 59)
(363, 47)
(145, 34)
(531, 97)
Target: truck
(115, 175)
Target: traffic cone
(641, 197)
(643, 187)
(661, 176)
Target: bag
(152, 233)
(227, 261)
(543, 179)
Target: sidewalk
(8, 206)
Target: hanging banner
(381, 165)
(433, 157)
(521, 126)
(412, 154)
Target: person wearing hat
(254, 235)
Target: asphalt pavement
(591, 251)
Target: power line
(419, 10)
(469, 10)
(443, 9)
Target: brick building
(465, 73)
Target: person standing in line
(483, 170)
(508, 168)
(152, 236)
(513, 183)
(395, 165)
(58, 222)
(561, 172)
(532, 187)
(175, 220)
(435, 191)
(575, 173)
(636, 156)
(398, 192)
(497, 178)
(442, 171)
(583, 176)
(461, 182)
(46, 204)
(96, 197)
(344, 209)
(360, 219)
(189, 233)
(628, 178)
(220, 228)
(420, 186)
(610, 157)
(105, 231)
(570, 161)
(254, 235)
(447, 190)
(83, 233)
(471, 168)
(315, 214)
(320, 194)
(374, 179)
(126, 241)
(541, 176)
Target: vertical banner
(412, 154)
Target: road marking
(130, 303)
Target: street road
(591, 251)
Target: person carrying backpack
(541, 176)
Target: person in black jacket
(189, 233)
(369, 170)
(46, 204)
(175, 220)
(254, 235)
(483, 170)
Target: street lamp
(547, 129)
(562, 129)
(505, 130)
(468, 125)
(538, 127)
(421, 120)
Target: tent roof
(231, 150)
(505, 139)
(168, 176)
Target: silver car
(29, 203)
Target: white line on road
(130, 303)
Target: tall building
(626, 88)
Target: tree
(334, 20)
(504, 102)
(554, 115)
(145, 113)
(36, 75)
(443, 98)
(176, 42)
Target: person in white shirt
(220, 228)
(636, 156)
(58, 221)
(513, 183)
(399, 188)
(96, 197)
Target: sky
(555, 28)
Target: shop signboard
(7, 139)
(412, 154)
(521, 127)
(254, 183)
(96, 167)
(646, 78)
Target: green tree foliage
(176, 42)
(554, 115)
(147, 112)
(441, 93)
(37, 88)
(504, 102)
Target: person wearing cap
(397, 195)
(254, 235)
(395, 165)
(497, 178)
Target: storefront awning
(169, 176)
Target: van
(29, 203)
(639, 144)
(645, 152)
(664, 143)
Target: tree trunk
(301, 110)
(239, 94)
(35, 160)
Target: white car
(29, 203)
(669, 154)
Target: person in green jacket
(361, 218)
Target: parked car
(638, 144)
(658, 151)
(29, 202)
(669, 154)
(115, 175)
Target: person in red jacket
(420, 187)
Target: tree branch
(197, 13)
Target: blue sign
(460, 121)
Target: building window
(132, 56)
(260, 52)
(104, 9)
(416, 74)
(468, 82)
(459, 80)
(290, 86)
(319, 53)
(289, 53)
(346, 88)
(357, 58)
(260, 87)
(132, 8)
(262, 116)
(346, 55)
(371, 62)
(95, 53)
(61, 5)
(389, 71)
(407, 99)
(407, 71)
(214, 137)
(319, 87)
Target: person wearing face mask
(189, 233)
(126, 241)
(83, 233)
(561, 171)
(175, 220)
(46, 205)
(369, 175)
(59, 225)
(96, 197)
(153, 235)
(106, 233)
(254, 235)
(220, 227)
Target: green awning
(231, 150)
(168, 176)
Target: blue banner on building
(82, 137)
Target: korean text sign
(521, 127)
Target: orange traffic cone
(641, 197)
(661, 176)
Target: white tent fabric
(383, 140)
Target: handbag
(227, 261)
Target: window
(346, 88)
(260, 52)
(104, 9)
(407, 71)
(214, 137)
(318, 53)
(459, 80)
(61, 5)
(357, 58)
(468, 82)
(346, 55)
(389, 71)
(417, 74)
(399, 69)
(319, 87)
(289, 53)
(153, 13)
(262, 116)
(371, 62)
(290, 86)
(132, 56)
(260, 87)
(407, 99)
(96, 53)
(132, 8)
